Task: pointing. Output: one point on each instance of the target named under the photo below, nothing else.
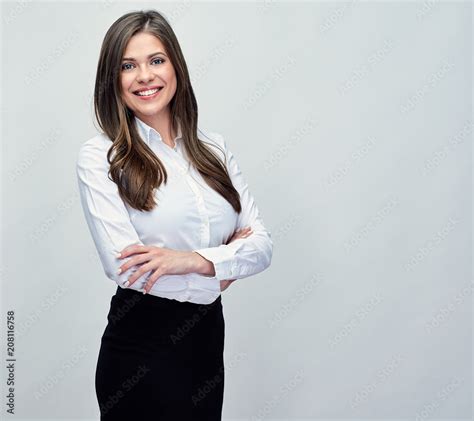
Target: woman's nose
(145, 74)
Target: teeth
(147, 93)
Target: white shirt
(189, 216)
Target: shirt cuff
(222, 258)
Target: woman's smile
(148, 93)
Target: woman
(174, 224)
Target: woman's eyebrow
(149, 56)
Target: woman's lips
(148, 97)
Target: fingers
(244, 230)
(151, 280)
(129, 250)
(225, 284)
(246, 234)
(243, 233)
(141, 258)
(138, 273)
(240, 233)
(148, 286)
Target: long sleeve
(245, 256)
(105, 212)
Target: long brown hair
(135, 168)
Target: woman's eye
(130, 64)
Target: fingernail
(118, 255)
(144, 291)
(119, 271)
(126, 283)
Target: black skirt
(161, 359)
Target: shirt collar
(147, 131)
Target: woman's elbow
(268, 252)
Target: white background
(352, 122)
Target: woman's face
(145, 65)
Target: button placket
(205, 234)
(201, 206)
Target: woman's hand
(161, 260)
(164, 261)
(243, 233)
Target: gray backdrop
(352, 122)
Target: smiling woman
(148, 81)
(172, 217)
